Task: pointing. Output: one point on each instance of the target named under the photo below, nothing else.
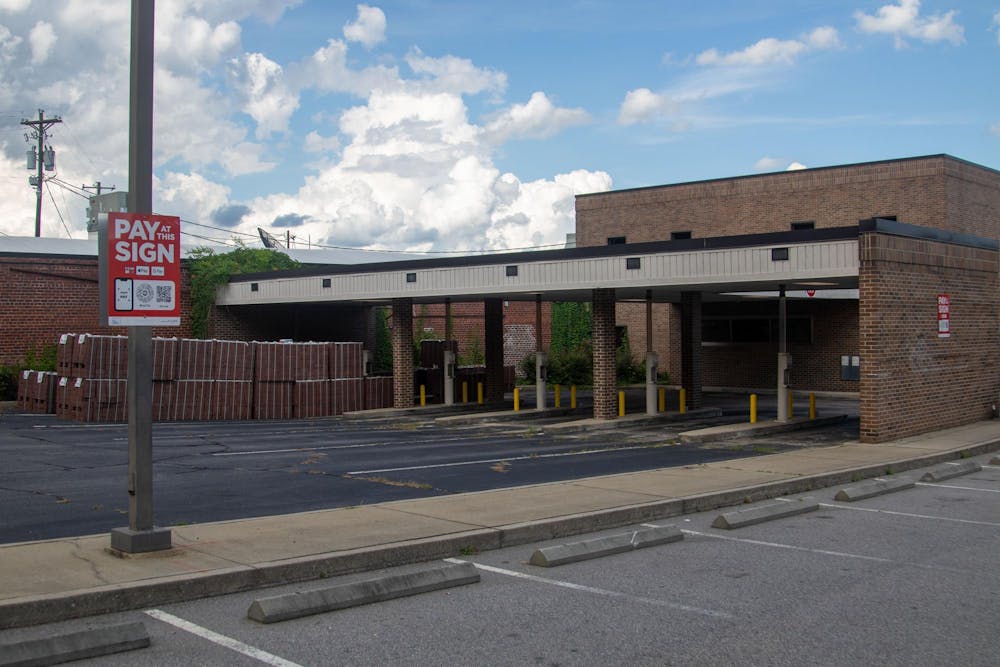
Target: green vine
(209, 271)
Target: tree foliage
(209, 271)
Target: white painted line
(962, 488)
(585, 452)
(303, 449)
(596, 591)
(221, 640)
(912, 516)
(989, 466)
(826, 552)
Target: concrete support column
(603, 342)
(493, 316)
(691, 347)
(402, 353)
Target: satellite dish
(268, 239)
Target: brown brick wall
(402, 353)
(43, 297)
(603, 341)
(936, 191)
(913, 381)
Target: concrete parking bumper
(573, 552)
(72, 646)
(875, 487)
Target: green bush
(8, 383)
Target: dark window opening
(511, 270)
(679, 236)
(779, 254)
(326, 282)
(411, 277)
(616, 240)
(805, 224)
(254, 287)
(738, 330)
(632, 263)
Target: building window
(326, 282)
(779, 254)
(850, 367)
(749, 329)
(805, 224)
(679, 236)
(254, 287)
(411, 277)
(512, 270)
(616, 240)
(632, 263)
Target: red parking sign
(144, 270)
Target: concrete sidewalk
(65, 578)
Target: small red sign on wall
(144, 270)
(944, 315)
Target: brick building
(738, 333)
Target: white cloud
(317, 143)
(771, 51)
(642, 105)
(539, 118)
(777, 164)
(268, 99)
(455, 75)
(768, 164)
(42, 38)
(903, 20)
(8, 44)
(369, 28)
(14, 5)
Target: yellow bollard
(621, 404)
(558, 399)
(572, 396)
(465, 391)
(479, 392)
(423, 396)
(812, 406)
(753, 408)
(791, 404)
(517, 399)
(661, 404)
(682, 402)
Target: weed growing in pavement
(468, 551)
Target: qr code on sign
(164, 293)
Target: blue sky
(442, 125)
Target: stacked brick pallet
(206, 380)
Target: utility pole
(45, 156)
(97, 188)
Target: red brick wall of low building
(912, 380)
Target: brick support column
(493, 315)
(402, 353)
(603, 342)
(691, 347)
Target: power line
(56, 206)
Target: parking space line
(304, 449)
(827, 552)
(498, 460)
(961, 488)
(913, 516)
(221, 640)
(596, 591)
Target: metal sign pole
(141, 535)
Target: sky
(443, 125)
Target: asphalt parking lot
(907, 578)
(64, 479)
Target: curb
(75, 645)
(574, 552)
(106, 599)
(296, 605)
(760, 428)
(875, 487)
(755, 515)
